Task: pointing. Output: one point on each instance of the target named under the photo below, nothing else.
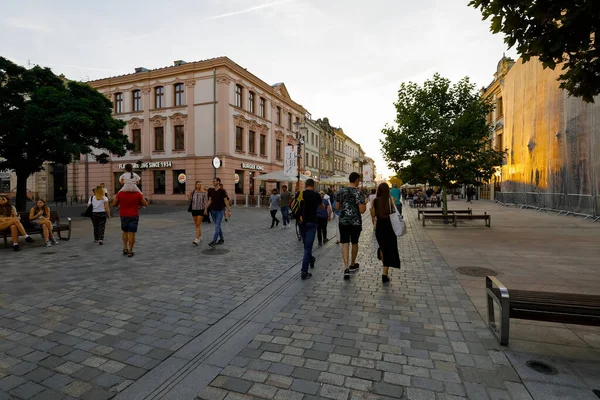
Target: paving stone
(387, 389)
(48, 394)
(236, 385)
(76, 388)
(419, 394)
(107, 380)
(39, 374)
(334, 392)
(305, 386)
(27, 390)
(57, 381)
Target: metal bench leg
(503, 302)
(5, 242)
(423, 220)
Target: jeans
(217, 217)
(285, 215)
(321, 229)
(309, 229)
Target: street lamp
(300, 141)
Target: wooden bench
(33, 230)
(568, 308)
(486, 217)
(467, 211)
(451, 216)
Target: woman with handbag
(198, 200)
(383, 209)
(100, 212)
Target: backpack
(297, 207)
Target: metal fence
(564, 204)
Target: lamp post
(300, 141)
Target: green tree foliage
(442, 130)
(556, 31)
(45, 118)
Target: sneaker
(212, 244)
(385, 278)
(54, 240)
(201, 239)
(48, 244)
(100, 242)
(16, 247)
(312, 262)
(29, 239)
(221, 241)
(354, 268)
(306, 276)
(346, 274)
(196, 241)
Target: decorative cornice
(226, 79)
(251, 124)
(158, 120)
(190, 83)
(146, 90)
(279, 134)
(135, 123)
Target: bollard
(258, 201)
(235, 200)
(246, 205)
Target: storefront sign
(181, 178)
(290, 162)
(236, 179)
(255, 167)
(150, 165)
(307, 173)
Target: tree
(43, 118)
(556, 31)
(442, 130)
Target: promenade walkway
(183, 322)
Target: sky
(341, 59)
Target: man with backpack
(305, 209)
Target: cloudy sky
(342, 59)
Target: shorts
(129, 224)
(350, 233)
(197, 213)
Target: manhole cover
(48, 252)
(215, 252)
(596, 392)
(476, 271)
(542, 367)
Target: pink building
(180, 117)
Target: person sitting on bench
(40, 217)
(9, 219)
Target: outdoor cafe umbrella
(280, 176)
(335, 179)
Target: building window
(239, 138)
(159, 97)
(290, 121)
(251, 142)
(263, 145)
(312, 160)
(118, 103)
(251, 101)
(136, 139)
(159, 182)
(179, 137)
(262, 107)
(500, 112)
(312, 138)
(238, 95)
(317, 160)
(278, 115)
(278, 149)
(306, 160)
(159, 138)
(178, 188)
(179, 99)
(137, 100)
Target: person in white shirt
(100, 212)
(129, 180)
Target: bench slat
(553, 302)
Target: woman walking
(198, 199)
(9, 218)
(323, 216)
(39, 216)
(100, 212)
(274, 200)
(384, 232)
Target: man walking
(129, 204)
(395, 193)
(285, 198)
(217, 202)
(351, 201)
(308, 227)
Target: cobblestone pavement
(80, 320)
(418, 338)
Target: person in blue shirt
(395, 193)
(323, 216)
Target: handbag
(191, 199)
(397, 221)
(89, 210)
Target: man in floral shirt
(351, 202)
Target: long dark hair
(129, 168)
(383, 200)
(6, 209)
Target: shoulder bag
(89, 210)
(397, 221)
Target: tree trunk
(444, 201)
(21, 202)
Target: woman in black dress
(386, 238)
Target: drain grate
(596, 392)
(476, 271)
(542, 367)
(215, 252)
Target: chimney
(177, 63)
(141, 69)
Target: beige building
(312, 143)
(181, 117)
